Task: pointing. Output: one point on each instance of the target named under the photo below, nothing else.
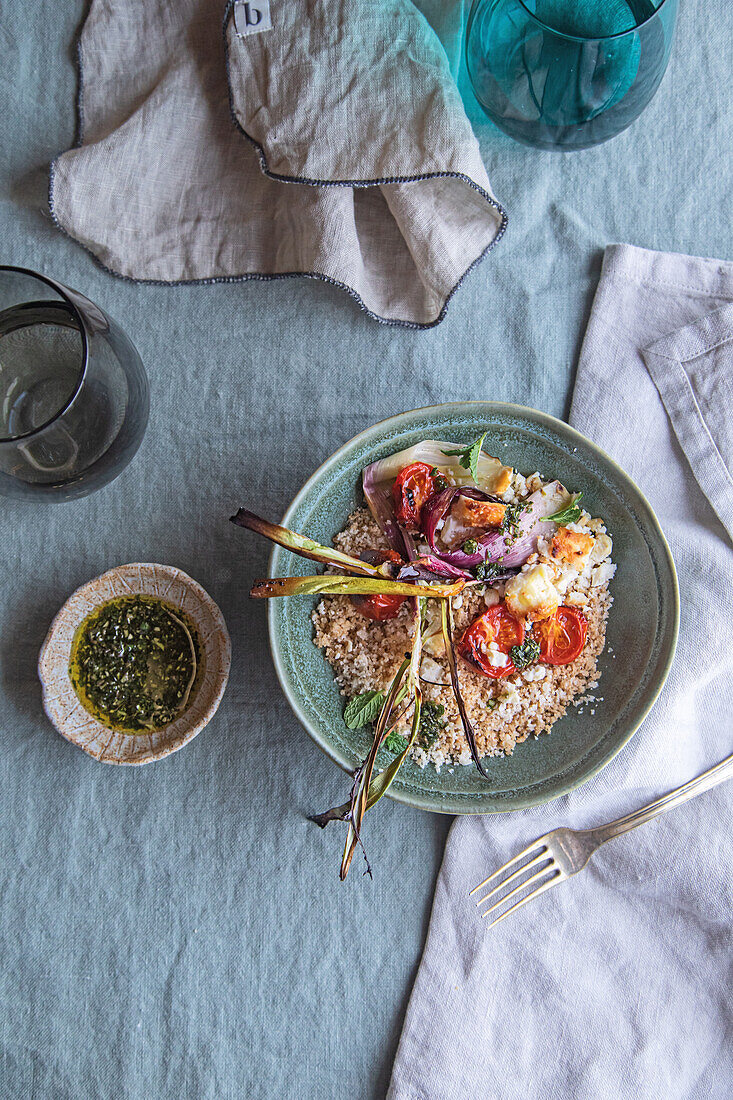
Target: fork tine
(541, 858)
(552, 881)
(529, 850)
(517, 889)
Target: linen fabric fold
(616, 984)
(320, 138)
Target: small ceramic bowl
(642, 626)
(61, 702)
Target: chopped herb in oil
(134, 662)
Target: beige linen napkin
(319, 138)
(616, 984)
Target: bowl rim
(425, 802)
(223, 648)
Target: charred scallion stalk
(305, 547)
(362, 775)
(361, 798)
(329, 584)
(379, 784)
(447, 625)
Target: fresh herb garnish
(487, 570)
(363, 709)
(468, 456)
(431, 723)
(439, 481)
(571, 513)
(525, 654)
(470, 546)
(512, 515)
(395, 742)
(492, 704)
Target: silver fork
(556, 856)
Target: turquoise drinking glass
(567, 74)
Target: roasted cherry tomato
(561, 637)
(495, 625)
(413, 486)
(379, 607)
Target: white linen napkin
(616, 984)
(316, 138)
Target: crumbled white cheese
(602, 548)
(576, 599)
(491, 597)
(495, 656)
(509, 696)
(532, 592)
(602, 573)
(431, 670)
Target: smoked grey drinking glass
(74, 395)
(567, 74)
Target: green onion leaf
(329, 584)
(446, 621)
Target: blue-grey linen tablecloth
(179, 930)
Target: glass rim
(64, 294)
(588, 37)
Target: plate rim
(425, 802)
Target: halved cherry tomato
(495, 625)
(413, 486)
(561, 637)
(379, 607)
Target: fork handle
(717, 774)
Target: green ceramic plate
(642, 626)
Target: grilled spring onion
(446, 620)
(303, 546)
(363, 779)
(333, 585)
(366, 579)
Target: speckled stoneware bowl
(642, 626)
(60, 701)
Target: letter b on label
(251, 17)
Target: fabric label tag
(251, 17)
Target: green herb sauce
(134, 662)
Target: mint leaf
(469, 456)
(570, 514)
(363, 709)
(395, 742)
